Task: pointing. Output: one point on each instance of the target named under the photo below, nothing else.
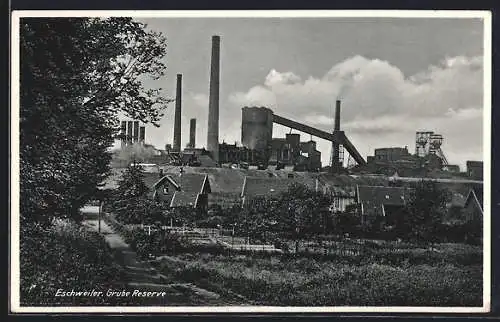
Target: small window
(165, 190)
(386, 196)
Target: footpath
(142, 276)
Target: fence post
(99, 215)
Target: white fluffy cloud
(380, 105)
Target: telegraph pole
(99, 217)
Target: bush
(64, 257)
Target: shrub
(67, 257)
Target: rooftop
(191, 182)
(181, 199)
(378, 195)
(253, 186)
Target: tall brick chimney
(213, 105)
(177, 117)
(192, 133)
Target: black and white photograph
(239, 161)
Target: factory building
(391, 154)
(234, 154)
(289, 151)
(475, 169)
(428, 157)
(131, 132)
(257, 137)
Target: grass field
(448, 275)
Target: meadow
(447, 275)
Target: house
(473, 208)
(254, 187)
(342, 198)
(376, 201)
(186, 189)
(475, 169)
(343, 195)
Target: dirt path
(142, 276)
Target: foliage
(131, 200)
(347, 222)
(77, 75)
(159, 242)
(298, 213)
(308, 282)
(423, 213)
(64, 257)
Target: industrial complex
(262, 160)
(259, 149)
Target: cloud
(380, 105)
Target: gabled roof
(475, 195)
(378, 195)
(254, 186)
(478, 191)
(160, 181)
(192, 182)
(184, 199)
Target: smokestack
(130, 125)
(192, 133)
(123, 134)
(335, 162)
(213, 105)
(136, 131)
(337, 116)
(177, 117)
(142, 134)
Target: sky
(393, 76)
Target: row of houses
(195, 190)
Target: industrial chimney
(213, 105)
(335, 162)
(177, 117)
(192, 133)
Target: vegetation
(77, 74)
(132, 201)
(423, 213)
(64, 256)
(301, 213)
(308, 281)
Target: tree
(424, 212)
(77, 75)
(132, 203)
